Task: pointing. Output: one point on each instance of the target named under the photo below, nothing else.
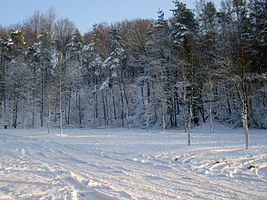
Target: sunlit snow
(119, 164)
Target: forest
(201, 65)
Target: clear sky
(85, 13)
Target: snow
(104, 164)
(104, 84)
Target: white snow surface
(102, 164)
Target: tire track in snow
(95, 173)
(186, 180)
(82, 186)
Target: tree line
(198, 66)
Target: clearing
(102, 164)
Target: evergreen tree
(41, 54)
(209, 56)
(183, 33)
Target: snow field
(105, 164)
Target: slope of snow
(102, 164)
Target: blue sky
(85, 13)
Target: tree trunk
(245, 120)
(95, 107)
(172, 113)
(55, 115)
(185, 109)
(127, 118)
(107, 107)
(122, 106)
(148, 91)
(127, 106)
(211, 117)
(142, 94)
(229, 107)
(147, 113)
(65, 111)
(210, 107)
(114, 107)
(189, 128)
(42, 99)
(60, 104)
(69, 108)
(177, 112)
(15, 114)
(33, 115)
(104, 108)
(25, 118)
(49, 115)
(80, 109)
(163, 120)
(147, 123)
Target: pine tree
(41, 54)
(17, 75)
(209, 55)
(160, 71)
(183, 31)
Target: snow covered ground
(118, 164)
